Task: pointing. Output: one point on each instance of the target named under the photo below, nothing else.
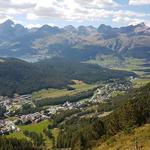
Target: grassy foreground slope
(139, 138)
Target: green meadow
(79, 87)
(38, 128)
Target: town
(9, 106)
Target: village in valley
(11, 106)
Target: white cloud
(22, 2)
(76, 10)
(127, 13)
(129, 17)
(105, 3)
(79, 10)
(4, 18)
(32, 16)
(29, 26)
(137, 21)
(98, 3)
(71, 9)
(130, 21)
(45, 3)
(139, 2)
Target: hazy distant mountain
(82, 43)
(9, 30)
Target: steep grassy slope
(139, 138)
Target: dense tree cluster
(17, 76)
(58, 118)
(16, 144)
(81, 135)
(36, 138)
(48, 133)
(134, 112)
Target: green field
(140, 82)
(105, 60)
(129, 64)
(38, 128)
(135, 65)
(79, 87)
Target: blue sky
(35, 13)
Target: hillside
(84, 133)
(139, 138)
(124, 127)
(17, 76)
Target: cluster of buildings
(106, 91)
(32, 118)
(7, 127)
(66, 106)
(12, 104)
(102, 93)
(16, 99)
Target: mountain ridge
(82, 43)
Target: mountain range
(82, 43)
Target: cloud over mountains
(72, 10)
